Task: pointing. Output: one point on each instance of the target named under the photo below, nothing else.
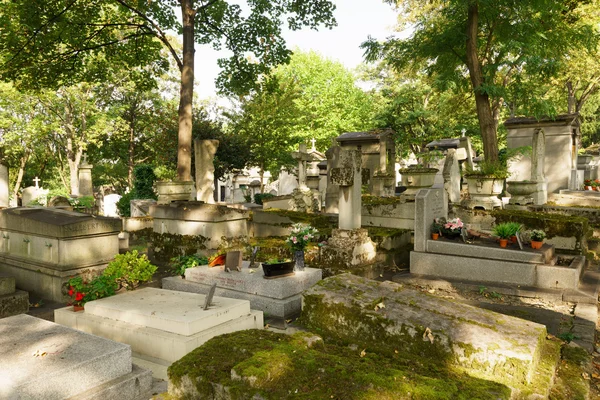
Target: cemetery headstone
(451, 175)
(349, 179)
(205, 151)
(302, 157)
(233, 261)
(209, 296)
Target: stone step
(157, 366)
(7, 284)
(587, 291)
(44, 360)
(135, 385)
(153, 308)
(152, 342)
(14, 303)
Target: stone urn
(169, 191)
(484, 191)
(521, 192)
(417, 178)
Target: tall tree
(46, 43)
(488, 43)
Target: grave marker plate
(209, 296)
(233, 261)
(518, 235)
(253, 258)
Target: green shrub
(130, 269)
(143, 182)
(259, 197)
(124, 205)
(100, 287)
(84, 201)
(165, 174)
(180, 263)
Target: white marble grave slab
(168, 310)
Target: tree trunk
(571, 100)
(482, 100)
(22, 164)
(131, 151)
(73, 156)
(184, 150)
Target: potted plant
(82, 291)
(436, 228)
(180, 263)
(278, 268)
(537, 238)
(587, 184)
(515, 228)
(451, 228)
(298, 240)
(504, 231)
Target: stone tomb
(193, 218)
(12, 301)
(43, 247)
(454, 259)
(279, 298)
(161, 326)
(44, 360)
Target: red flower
(78, 296)
(71, 291)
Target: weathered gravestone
(387, 317)
(86, 187)
(43, 247)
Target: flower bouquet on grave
(299, 238)
(596, 185)
(451, 228)
(587, 184)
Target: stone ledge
(14, 304)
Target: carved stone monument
(86, 187)
(205, 170)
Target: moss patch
(552, 224)
(570, 383)
(169, 245)
(277, 366)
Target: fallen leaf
(396, 351)
(251, 271)
(431, 291)
(267, 326)
(287, 321)
(585, 375)
(379, 306)
(428, 335)
(595, 375)
(363, 353)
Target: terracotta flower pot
(435, 236)
(78, 308)
(588, 188)
(503, 242)
(536, 245)
(513, 239)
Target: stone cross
(302, 157)
(84, 161)
(349, 178)
(37, 181)
(313, 141)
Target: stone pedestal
(161, 326)
(350, 247)
(12, 301)
(205, 151)
(483, 193)
(175, 191)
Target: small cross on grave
(84, 161)
(37, 182)
(209, 296)
(313, 141)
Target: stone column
(538, 174)
(4, 186)
(465, 143)
(451, 175)
(302, 157)
(204, 155)
(348, 177)
(86, 187)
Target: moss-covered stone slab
(388, 318)
(259, 364)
